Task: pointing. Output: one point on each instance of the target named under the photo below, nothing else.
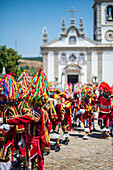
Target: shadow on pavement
(78, 129)
(52, 146)
(96, 135)
(76, 135)
(52, 140)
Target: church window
(72, 58)
(109, 15)
(81, 58)
(63, 59)
(72, 40)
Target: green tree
(9, 59)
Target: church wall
(50, 66)
(84, 74)
(84, 68)
(60, 66)
(68, 54)
(107, 69)
(94, 65)
(60, 72)
(103, 16)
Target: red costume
(35, 134)
(105, 108)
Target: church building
(75, 58)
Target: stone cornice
(99, 52)
(56, 52)
(89, 52)
(100, 1)
(91, 41)
(107, 24)
(72, 70)
(51, 42)
(45, 52)
(103, 47)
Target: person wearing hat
(6, 135)
(31, 116)
(9, 98)
(111, 116)
(67, 122)
(94, 106)
(56, 123)
(86, 109)
(105, 108)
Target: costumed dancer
(67, 122)
(36, 139)
(86, 109)
(10, 94)
(5, 138)
(50, 115)
(111, 116)
(56, 124)
(94, 106)
(77, 116)
(51, 104)
(105, 108)
(77, 98)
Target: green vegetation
(31, 71)
(32, 58)
(9, 59)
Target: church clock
(109, 35)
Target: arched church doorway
(72, 79)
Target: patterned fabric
(105, 105)
(35, 133)
(50, 109)
(86, 104)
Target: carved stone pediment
(72, 66)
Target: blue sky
(22, 22)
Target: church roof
(64, 42)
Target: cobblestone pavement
(95, 153)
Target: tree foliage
(9, 59)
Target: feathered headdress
(37, 91)
(104, 87)
(87, 90)
(23, 80)
(10, 87)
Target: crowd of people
(31, 108)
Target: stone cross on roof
(72, 10)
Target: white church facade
(75, 58)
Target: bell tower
(103, 21)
